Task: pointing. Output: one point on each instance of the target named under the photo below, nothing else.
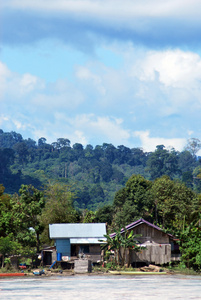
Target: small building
(48, 255)
(160, 247)
(78, 240)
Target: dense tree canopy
(23, 161)
(133, 201)
(175, 204)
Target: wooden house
(78, 240)
(159, 247)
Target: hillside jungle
(43, 183)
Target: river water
(101, 287)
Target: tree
(6, 159)
(82, 197)
(106, 171)
(138, 157)
(124, 154)
(89, 151)
(105, 214)
(186, 161)
(121, 241)
(7, 246)
(193, 146)
(41, 142)
(97, 192)
(27, 207)
(190, 246)
(59, 206)
(6, 222)
(113, 244)
(129, 242)
(197, 179)
(109, 152)
(133, 201)
(162, 162)
(78, 150)
(89, 216)
(9, 139)
(175, 204)
(22, 152)
(63, 143)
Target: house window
(84, 249)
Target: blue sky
(102, 71)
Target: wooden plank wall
(149, 233)
(94, 253)
(156, 254)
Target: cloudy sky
(102, 71)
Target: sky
(102, 71)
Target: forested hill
(95, 173)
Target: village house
(74, 241)
(160, 247)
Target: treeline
(26, 215)
(96, 173)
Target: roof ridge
(138, 222)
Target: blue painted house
(74, 240)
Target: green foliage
(23, 161)
(175, 204)
(26, 209)
(190, 246)
(59, 207)
(90, 179)
(6, 221)
(8, 246)
(122, 240)
(111, 265)
(104, 214)
(193, 146)
(59, 204)
(197, 179)
(163, 162)
(89, 216)
(133, 201)
(168, 203)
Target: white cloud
(4, 71)
(149, 143)
(28, 83)
(103, 104)
(15, 85)
(19, 125)
(86, 75)
(87, 127)
(111, 8)
(175, 68)
(111, 129)
(3, 119)
(4, 75)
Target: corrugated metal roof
(74, 230)
(87, 241)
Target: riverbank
(97, 270)
(64, 273)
